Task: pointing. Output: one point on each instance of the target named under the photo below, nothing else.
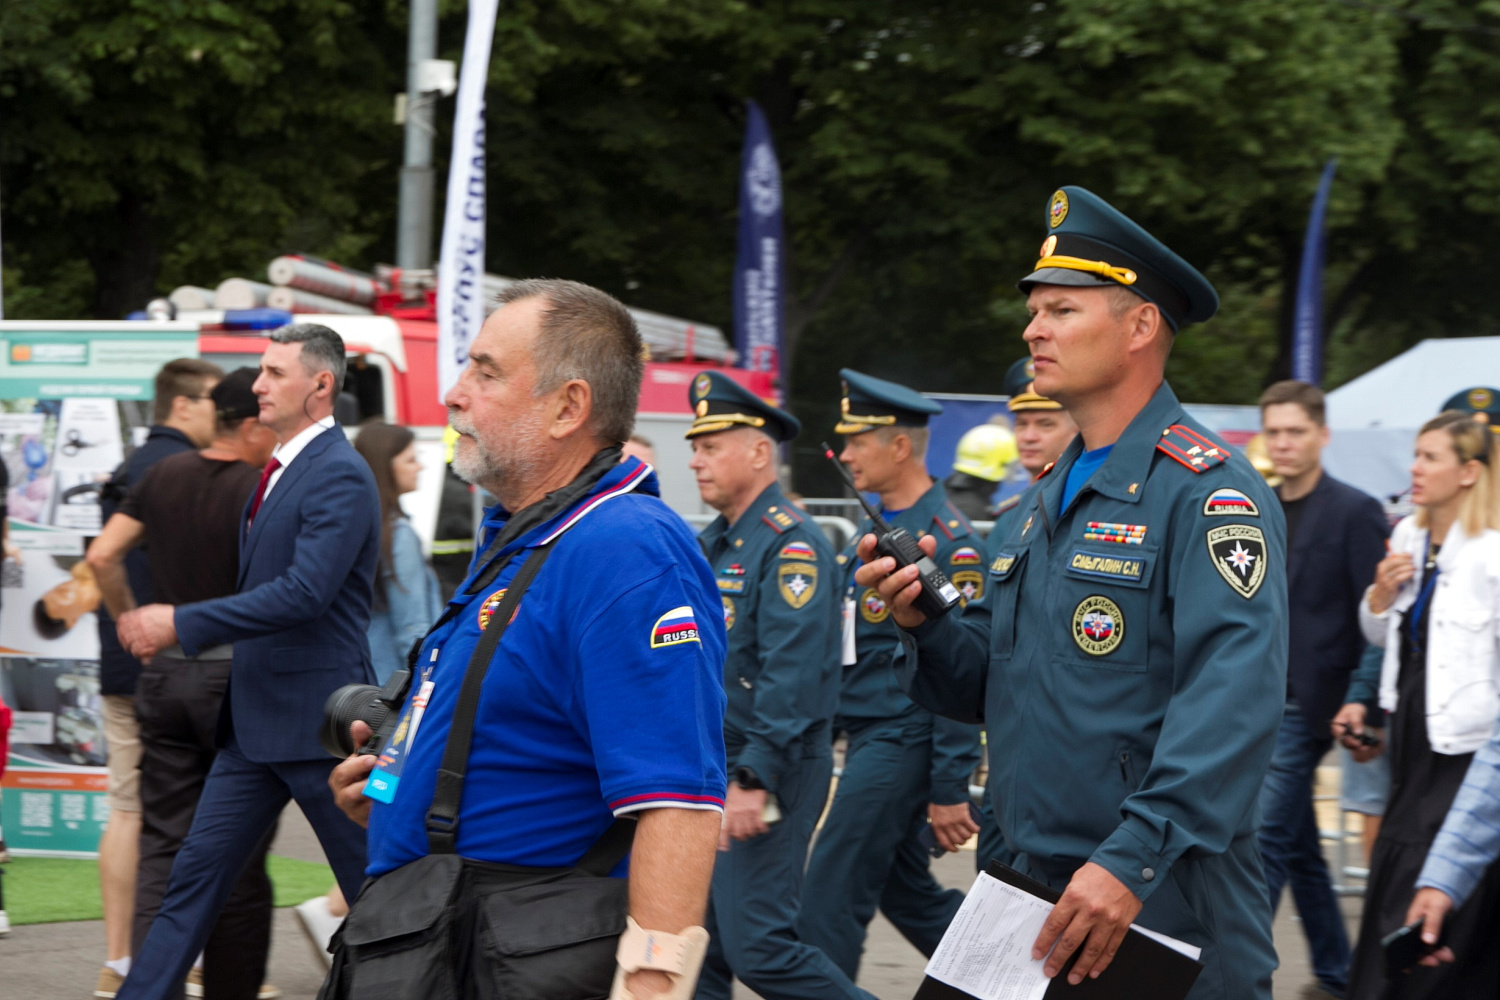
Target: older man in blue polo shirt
(604, 698)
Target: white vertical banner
(460, 298)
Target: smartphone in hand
(1404, 948)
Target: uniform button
(1147, 874)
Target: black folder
(1143, 969)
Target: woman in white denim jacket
(1435, 607)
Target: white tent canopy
(1375, 417)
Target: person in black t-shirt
(186, 511)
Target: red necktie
(260, 491)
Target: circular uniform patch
(728, 613)
(1048, 245)
(872, 608)
(701, 385)
(1098, 626)
(1480, 399)
(1057, 209)
(488, 605)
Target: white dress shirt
(287, 453)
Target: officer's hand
(1431, 906)
(1394, 571)
(1095, 911)
(744, 815)
(897, 588)
(348, 779)
(952, 826)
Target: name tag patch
(1107, 567)
(1003, 564)
(732, 586)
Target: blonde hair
(1472, 442)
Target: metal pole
(414, 225)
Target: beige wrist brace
(680, 956)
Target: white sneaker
(318, 925)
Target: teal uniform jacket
(1130, 667)
(778, 582)
(871, 690)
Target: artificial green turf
(45, 890)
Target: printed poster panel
(74, 399)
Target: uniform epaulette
(955, 524)
(1191, 449)
(780, 520)
(1010, 503)
(1045, 469)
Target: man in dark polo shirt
(186, 511)
(182, 419)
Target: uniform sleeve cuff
(1128, 858)
(949, 793)
(665, 800)
(766, 767)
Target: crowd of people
(627, 733)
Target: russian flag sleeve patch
(674, 628)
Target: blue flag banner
(758, 286)
(1307, 319)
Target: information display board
(74, 398)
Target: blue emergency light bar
(255, 319)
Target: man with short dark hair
(182, 419)
(186, 510)
(594, 716)
(1131, 663)
(905, 770)
(309, 540)
(1335, 537)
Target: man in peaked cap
(777, 581)
(1481, 401)
(1131, 654)
(904, 768)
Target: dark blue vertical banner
(759, 314)
(1307, 320)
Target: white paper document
(987, 949)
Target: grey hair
(917, 435)
(587, 334)
(322, 349)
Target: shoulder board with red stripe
(781, 519)
(1191, 449)
(1045, 469)
(954, 514)
(1009, 503)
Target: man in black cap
(1132, 661)
(779, 586)
(905, 771)
(186, 510)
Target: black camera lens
(350, 703)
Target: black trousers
(177, 703)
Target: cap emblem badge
(1057, 210)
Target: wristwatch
(748, 780)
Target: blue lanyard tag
(383, 781)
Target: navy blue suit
(307, 568)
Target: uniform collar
(927, 504)
(760, 508)
(1129, 464)
(629, 475)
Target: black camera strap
(442, 817)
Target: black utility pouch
(398, 940)
(550, 941)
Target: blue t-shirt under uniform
(605, 697)
(1086, 465)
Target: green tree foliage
(157, 142)
(919, 141)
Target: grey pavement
(61, 961)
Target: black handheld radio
(938, 593)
